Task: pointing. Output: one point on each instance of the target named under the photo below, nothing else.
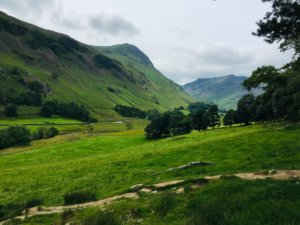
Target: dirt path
(278, 175)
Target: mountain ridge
(223, 90)
(98, 77)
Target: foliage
(14, 135)
(200, 120)
(228, 119)
(44, 132)
(244, 109)
(10, 111)
(282, 24)
(280, 101)
(152, 114)
(128, 111)
(170, 123)
(75, 197)
(198, 105)
(213, 116)
(69, 110)
(103, 218)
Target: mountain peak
(129, 51)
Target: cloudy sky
(185, 39)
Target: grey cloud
(184, 64)
(113, 25)
(25, 7)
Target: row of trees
(69, 110)
(175, 122)
(21, 135)
(128, 111)
(281, 97)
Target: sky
(185, 39)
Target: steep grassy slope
(69, 70)
(224, 91)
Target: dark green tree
(282, 24)
(10, 111)
(244, 110)
(228, 119)
(200, 120)
(213, 115)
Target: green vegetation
(127, 111)
(75, 197)
(39, 66)
(70, 110)
(14, 135)
(112, 163)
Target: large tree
(282, 24)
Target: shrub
(44, 132)
(10, 111)
(76, 197)
(165, 203)
(14, 135)
(102, 218)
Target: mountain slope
(224, 91)
(71, 71)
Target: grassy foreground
(109, 164)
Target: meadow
(109, 163)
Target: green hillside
(223, 91)
(71, 71)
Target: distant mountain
(224, 91)
(98, 77)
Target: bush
(102, 218)
(76, 197)
(44, 132)
(10, 111)
(14, 135)
(165, 203)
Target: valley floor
(109, 163)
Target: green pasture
(109, 163)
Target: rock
(189, 165)
(136, 187)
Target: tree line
(21, 135)
(201, 117)
(71, 110)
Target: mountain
(224, 91)
(97, 77)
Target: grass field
(110, 163)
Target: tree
(213, 115)
(244, 109)
(19, 135)
(158, 127)
(152, 114)
(10, 111)
(228, 119)
(282, 24)
(199, 118)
